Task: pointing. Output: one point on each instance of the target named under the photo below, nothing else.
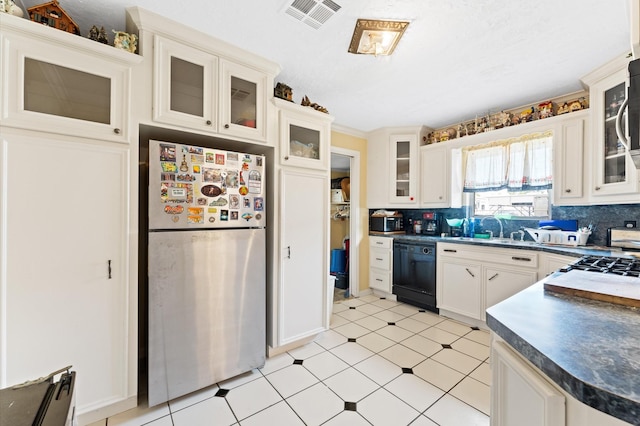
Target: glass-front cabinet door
(66, 90)
(613, 170)
(403, 156)
(185, 86)
(242, 101)
(304, 138)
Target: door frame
(355, 231)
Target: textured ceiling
(457, 59)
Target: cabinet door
(303, 254)
(614, 172)
(501, 284)
(185, 86)
(242, 101)
(569, 156)
(520, 395)
(62, 89)
(403, 155)
(303, 142)
(435, 185)
(65, 267)
(459, 287)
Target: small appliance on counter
(386, 222)
(455, 226)
(431, 223)
(625, 238)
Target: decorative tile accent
(351, 340)
(407, 370)
(391, 323)
(475, 328)
(446, 346)
(350, 406)
(222, 393)
(352, 307)
(297, 361)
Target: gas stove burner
(606, 265)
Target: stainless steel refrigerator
(206, 267)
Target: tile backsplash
(601, 217)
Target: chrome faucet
(497, 220)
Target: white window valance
(518, 164)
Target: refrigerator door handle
(288, 252)
(109, 267)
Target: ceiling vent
(313, 12)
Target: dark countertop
(576, 251)
(590, 349)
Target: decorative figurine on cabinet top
(307, 102)
(545, 110)
(283, 91)
(125, 41)
(52, 15)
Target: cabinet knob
(568, 190)
(286, 157)
(597, 188)
(440, 197)
(226, 126)
(116, 131)
(208, 122)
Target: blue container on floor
(338, 260)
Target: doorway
(344, 221)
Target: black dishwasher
(414, 273)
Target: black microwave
(386, 224)
(633, 113)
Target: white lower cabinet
(462, 292)
(520, 395)
(66, 268)
(381, 263)
(502, 283)
(471, 278)
(300, 296)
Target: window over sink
(511, 177)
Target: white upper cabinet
(60, 83)
(435, 176)
(305, 136)
(614, 177)
(186, 86)
(569, 157)
(393, 169)
(243, 101)
(202, 83)
(403, 154)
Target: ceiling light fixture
(374, 37)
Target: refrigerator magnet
(234, 215)
(220, 159)
(212, 219)
(234, 201)
(210, 157)
(224, 214)
(232, 158)
(246, 158)
(231, 179)
(168, 167)
(193, 150)
(247, 216)
(243, 190)
(168, 176)
(211, 191)
(173, 209)
(167, 152)
(220, 202)
(195, 219)
(197, 168)
(246, 202)
(258, 204)
(255, 182)
(197, 159)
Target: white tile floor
(382, 363)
